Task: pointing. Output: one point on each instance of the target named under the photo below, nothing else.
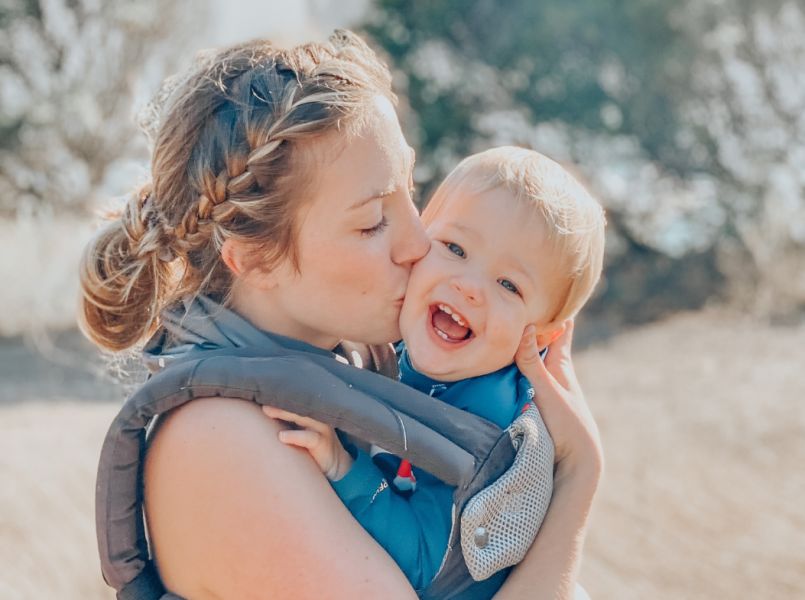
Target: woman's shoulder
(206, 415)
(207, 435)
(197, 452)
(224, 496)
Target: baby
(515, 240)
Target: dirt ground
(703, 421)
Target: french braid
(229, 161)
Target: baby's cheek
(512, 330)
(406, 316)
(419, 281)
(503, 345)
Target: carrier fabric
(225, 356)
(500, 522)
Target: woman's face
(359, 235)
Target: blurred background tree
(686, 118)
(69, 75)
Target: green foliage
(681, 115)
(572, 62)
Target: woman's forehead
(372, 163)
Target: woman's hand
(318, 438)
(550, 567)
(561, 403)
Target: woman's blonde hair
(572, 219)
(229, 162)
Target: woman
(281, 186)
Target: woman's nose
(411, 243)
(469, 288)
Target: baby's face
(487, 275)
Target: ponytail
(124, 276)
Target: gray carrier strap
(460, 448)
(146, 586)
(498, 522)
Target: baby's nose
(469, 289)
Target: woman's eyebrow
(377, 196)
(391, 187)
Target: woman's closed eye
(375, 229)
(455, 249)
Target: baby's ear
(546, 334)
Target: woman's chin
(380, 338)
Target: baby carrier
(502, 478)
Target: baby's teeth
(449, 311)
(441, 334)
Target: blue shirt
(415, 530)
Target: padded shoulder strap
(146, 586)
(450, 443)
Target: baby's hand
(317, 438)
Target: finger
(286, 415)
(528, 351)
(559, 362)
(530, 363)
(561, 348)
(283, 415)
(303, 438)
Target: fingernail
(529, 332)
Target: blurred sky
(285, 21)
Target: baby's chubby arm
(318, 438)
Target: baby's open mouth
(449, 324)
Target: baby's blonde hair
(574, 220)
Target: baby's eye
(508, 285)
(455, 249)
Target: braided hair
(230, 160)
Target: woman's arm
(234, 513)
(413, 530)
(551, 565)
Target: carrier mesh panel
(500, 522)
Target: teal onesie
(414, 527)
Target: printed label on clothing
(383, 485)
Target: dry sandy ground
(703, 420)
